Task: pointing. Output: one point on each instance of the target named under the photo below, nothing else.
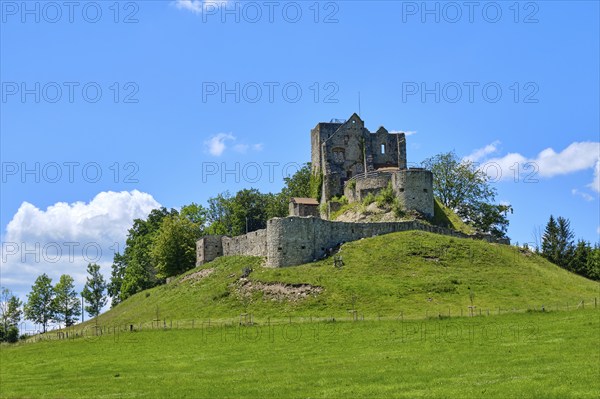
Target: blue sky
(109, 111)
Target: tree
(219, 214)
(298, 185)
(490, 218)
(557, 242)
(65, 305)
(565, 242)
(140, 270)
(550, 241)
(276, 205)
(194, 213)
(116, 279)
(593, 263)
(457, 182)
(581, 255)
(39, 301)
(245, 212)
(10, 314)
(174, 249)
(465, 189)
(93, 291)
(248, 212)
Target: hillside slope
(357, 212)
(409, 272)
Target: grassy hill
(445, 217)
(410, 273)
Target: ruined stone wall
(251, 244)
(388, 149)
(208, 248)
(294, 241)
(414, 189)
(318, 135)
(363, 186)
(337, 152)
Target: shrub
(12, 335)
(397, 209)
(323, 208)
(386, 196)
(342, 200)
(369, 199)
(352, 184)
(316, 185)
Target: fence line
(248, 319)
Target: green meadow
(385, 323)
(527, 355)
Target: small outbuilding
(304, 207)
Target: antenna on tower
(359, 103)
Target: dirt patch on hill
(278, 291)
(197, 276)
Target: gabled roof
(304, 201)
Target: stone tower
(340, 152)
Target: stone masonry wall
(364, 186)
(337, 152)
(208, 248)
(414, 189)
(296, 240)
(251, 244)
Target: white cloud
(217, 144)
(190, 5)
(197, 6)
(64, 238)
(582, 194)
(595, 184)
(576, 157)
(109, 214)
(482, 152)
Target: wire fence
(95, 330)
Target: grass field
(416, 273)
(405, 284)
(548, 355)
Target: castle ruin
(349, 160)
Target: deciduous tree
(140, 270)
(465, 189)
(65, 304)
(10, 312)
(94, 290)
(174, 246)
(39, 302)
(116, 279)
